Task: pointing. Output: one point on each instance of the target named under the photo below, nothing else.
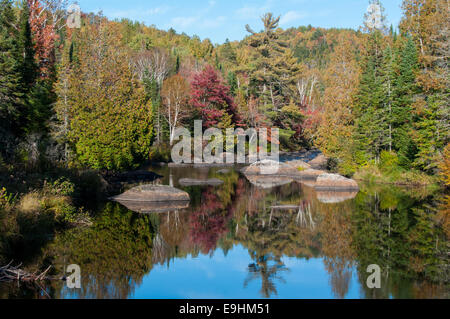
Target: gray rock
(224, 171)
(155, 207)
(328, 197)
(335, 182)
(277, 169)
(152, 193)
(309, 174)
(199, 182)
(267, 182)
(298, 163)
(268, 167)
(320, 162)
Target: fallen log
(10, 273)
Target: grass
(30, 203)
(395, 176)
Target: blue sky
(221, 19)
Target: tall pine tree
(404, 91)
(372, 125)
(11, 93)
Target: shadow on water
(280, 230)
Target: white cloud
(214, 23)
(292, 16)
(138, 13)
(249, 12)
(183, 22)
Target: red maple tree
(43, 25)
(211, 97)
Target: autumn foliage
(210, 96)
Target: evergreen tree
(227, 52)
(152, 92)
(11, 93)
(29, 67)
(389, 77)
(274, 66)
(404, 91)
(232, 82)
(372, 128)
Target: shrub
(160, 153)
(61, 186)
(389, 161)
(5, 198)
(445, 166)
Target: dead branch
(10, 273)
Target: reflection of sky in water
(223, 277)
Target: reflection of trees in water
(209, 222)
(114, 254)
(273, 224)
(160, 250)
(394, 230)
(401, 233)
(266, 268)
(336, 239)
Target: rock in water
(152, 193)
(335, 182)
(320, 162)
(155, 207)
(309, 174)
(200, 182)
(330, 197)
(267, 182)
(267, 167)
(299, 164)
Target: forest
(108, 95)
(80, 104)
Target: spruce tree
(37, 92)
(372, 124)
(29, 68)
(152, 92)
(404, 91)
(11, 93)
(274, 66)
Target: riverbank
(397, 176)
(35, 204)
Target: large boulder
(273, 168)
(200, 182)
(335, 182)
(320, 162)
(299, 164)
(268, 167)
(152, 193)
(310, 174)
(267, 182)
(155, 207)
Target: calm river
(248, 239)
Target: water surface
(245, 239)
